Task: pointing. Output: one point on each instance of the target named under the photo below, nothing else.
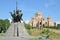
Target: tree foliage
(27, 26)
(4, 24)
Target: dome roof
(33, 17)
(38, 13)
(49, 17)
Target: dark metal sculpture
(17, 16)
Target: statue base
(16, 29)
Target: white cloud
(26, 21)
(58, 22)
(10, 20)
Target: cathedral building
(39, 21)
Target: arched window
(40, 23)
(45, 22)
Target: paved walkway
(21, 38)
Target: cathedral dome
(33, 17)
(38, 13)
(49, 17)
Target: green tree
(4, 24)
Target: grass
(34, 32)
(54, 36)
(45, 31)
(2, 34)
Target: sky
(30, 7)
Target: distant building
(39, 21)
(57, 24)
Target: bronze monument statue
(16, 15)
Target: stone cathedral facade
(39, 20)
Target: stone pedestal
(16, 29)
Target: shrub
(45, 31)
(27, 26)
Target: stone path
(12, 38)
(21, 37)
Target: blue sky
(30, 7)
